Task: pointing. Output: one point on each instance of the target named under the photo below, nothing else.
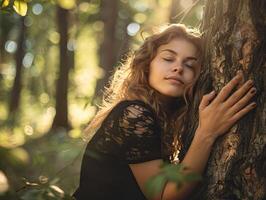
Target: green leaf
(20, 7)
(169, 173)
(155, 185)
(5, 3)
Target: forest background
(55, 57)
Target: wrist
(206, 137)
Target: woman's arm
(216, 117)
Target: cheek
(190, 76)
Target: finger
(239, 94)
(227, 89)
(240, 73)
(206, 99)
(243, 101)
(243, 112)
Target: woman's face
(174, 67)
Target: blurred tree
(108, 53)
(17, 85)
(61, 107)
(235, 38)
(175, 10)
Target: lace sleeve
(141, 134)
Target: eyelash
(168, 59)
(189, 66)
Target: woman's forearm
(195, 161)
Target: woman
(141, 120)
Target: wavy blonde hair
(130, 82)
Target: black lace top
(129, 134)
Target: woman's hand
(225, 110)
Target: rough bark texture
(61, 116)
(235, 33)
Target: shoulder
(133, 113)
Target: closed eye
(189, 65)
(169, 59)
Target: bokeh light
(37, 9)
(10, 46)
(133, 28)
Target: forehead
(181, 47)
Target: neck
(170, 104)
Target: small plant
(169, 173)
(43, 190)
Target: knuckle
(225, 89)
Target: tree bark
(108, 52)
(61, 116)
(235, 38)
(17, 85)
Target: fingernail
(250, 82)
(212, 92)
(253, 105)
(253, 91)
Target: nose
(177, 68)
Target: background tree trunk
(17, 85)
(61, 116)
(235, 34)
(108, 52)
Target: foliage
(27, 147)
(19, 6)
(174, 173)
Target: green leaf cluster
(169, 173)
(19, 6)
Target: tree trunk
(61, 116)
(17, 85)
(235, 34)
(108, 53)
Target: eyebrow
(175, 53)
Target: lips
(175, 80)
